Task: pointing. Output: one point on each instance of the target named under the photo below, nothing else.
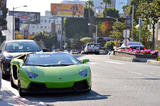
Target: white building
(48, 23)
(157, 35)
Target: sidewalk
(6, 99)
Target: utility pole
(132, 22)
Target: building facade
(47, 24)
(157, 35)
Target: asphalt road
(114, 83)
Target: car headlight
(31, 75)
(84, 73)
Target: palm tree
(89, 4)
(106, 2)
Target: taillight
(130, 48)
(144, 48)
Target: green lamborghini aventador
(50, 72)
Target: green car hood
(58, 73)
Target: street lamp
(89, 24)
(14, 21)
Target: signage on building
(67, 10)
(26, 17)
(128, 21)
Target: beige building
(157, 34)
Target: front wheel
(20, 89)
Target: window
(33, 26)
(45, 27)
(45, 21)
(41, 26)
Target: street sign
(126, 33)
(140, 22)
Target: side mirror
(85, 61)
(18, 62)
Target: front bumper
(80, 86)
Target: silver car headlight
(32, 75)
(84, 73)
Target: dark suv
(11, 49)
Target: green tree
(89, 5)
(112, 12)
(76, 27)
(86, 40)
(118, 28)
(109, 45)
(150, 10)
(48, 39)
(106, 2)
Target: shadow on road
(151, 78)
(49, 98)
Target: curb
(153, 62)
(130, 59)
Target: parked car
(102, 51)
(50, 72)
(14, 48)
(133, 45)
(74, 51)
(92, 48)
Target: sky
(32, 5)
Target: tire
(4, 76)
(20, 89)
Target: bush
(109, 45)
(158, 58)
(158, 48)
(86, 40)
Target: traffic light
(17, 24)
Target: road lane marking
(93, 63)
(113, 62)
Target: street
(114, 83)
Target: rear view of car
(134, 46)
(92, 48)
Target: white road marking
(92, 63)
(113, 62)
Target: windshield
(59, 59)
(22, 47)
